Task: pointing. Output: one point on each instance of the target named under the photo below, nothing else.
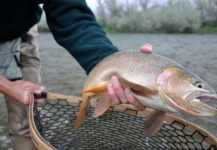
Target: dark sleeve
(75, 28)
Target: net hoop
(42, 144)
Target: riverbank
(201, 30)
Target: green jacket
(71, 22)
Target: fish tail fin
(82, 113)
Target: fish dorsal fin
(154, 122)
(137, 89)
(97, 90)
(102, 105)
(82, 113)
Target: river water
(62, 74)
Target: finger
(112, 95)
(40, 101)
(36, 87)
(27, 98)
(147, 48)
(118, 89)
(133, 101)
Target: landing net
(121, 127)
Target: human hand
(120, 95)
(20, 90)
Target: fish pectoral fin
(102, 105)
(97, 90)
(82, 113)
(137, 89)
(154, 122)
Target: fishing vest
(10, 59)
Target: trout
(157, 82)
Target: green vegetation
(201, 30)
(206, 29)
(145, 16)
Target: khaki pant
(17, 112)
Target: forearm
(75, 28)
(5, 85)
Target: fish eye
(199, 85)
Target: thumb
(147, 48)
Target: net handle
(37, 139)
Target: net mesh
(55, 121)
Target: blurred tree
(173, 16)
(144, 4)
(101, 13)
(208, 10)
(113, 8)
(179, 16)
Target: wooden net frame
(52, 126)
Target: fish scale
(129, 65)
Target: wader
(22, 62)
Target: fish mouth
(206, 99)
